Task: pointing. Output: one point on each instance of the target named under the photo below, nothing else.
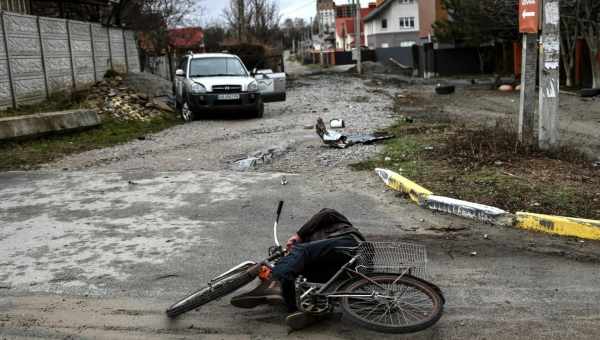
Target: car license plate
(229, 96)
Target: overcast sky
(288, 8)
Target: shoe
(300, 320)
(267, 292)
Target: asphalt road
(101, 250)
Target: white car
(219, 82)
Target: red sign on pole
(528, 16)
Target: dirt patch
(488, 165)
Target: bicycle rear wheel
(214, 291)
(400, 305)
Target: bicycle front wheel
(391, 304)
(214, 291)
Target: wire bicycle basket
(392, 257)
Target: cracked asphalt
(98, 244)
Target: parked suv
(220, 82)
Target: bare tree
(237, 16)
(589, 21)
(569, 34)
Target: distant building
(345, 26)
(402, 23)
(16, 6)
(326, 15)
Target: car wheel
(260, 110)
(186, 113)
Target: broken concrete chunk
(248, 163)
(470, 210)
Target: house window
(407, 43)
(384, 23)
(407, 22)
(406, 1)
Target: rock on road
(101, 249)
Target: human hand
(292, 241)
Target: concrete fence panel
(133, 58)
(81, 53)
(101, 50)
(25, 58)
(5, 84)
(40, 56)
(117, 50)
(57, 59)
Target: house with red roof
(180, 41)
(345, 34)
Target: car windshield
(214, 67)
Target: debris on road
(247, 163)
(337, 123)
(263, 157)
(473, 253)
(338, 140)
(441, 89)
(283, 180)
(114, 98)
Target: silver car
(217, 82)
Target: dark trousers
(317, 261)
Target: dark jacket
(328, 223)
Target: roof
(188, 37)
(377, 11)
(213, 55)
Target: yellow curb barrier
(399, 183)
(558, 225)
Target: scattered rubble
(113, 98)
(340, 141)
(264, 157)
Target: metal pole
(528, 91)
(8, 66)
(43, 56)
(357, 38)
(71, 57)
(549, 76)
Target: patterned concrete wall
(25, 58)
(57, 58)
(117, 50)
(47, 55)
(101, 50)
(5, 90)
(81, 53)
(133, 59)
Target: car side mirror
(180, 73)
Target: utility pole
(528, 90)
(241, 20)
(357, 38)
(549, 76)
(528, 25)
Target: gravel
(216, 143)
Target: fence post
(93, 53)
(71, 54)
(109, 48)
(125, 50)
(43, 58)
(9, 69)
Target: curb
(399, 183)
(557, 225)
(474, 211)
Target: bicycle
(382, 287)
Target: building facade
(326, 15)
(346, 25)
(402, 23)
